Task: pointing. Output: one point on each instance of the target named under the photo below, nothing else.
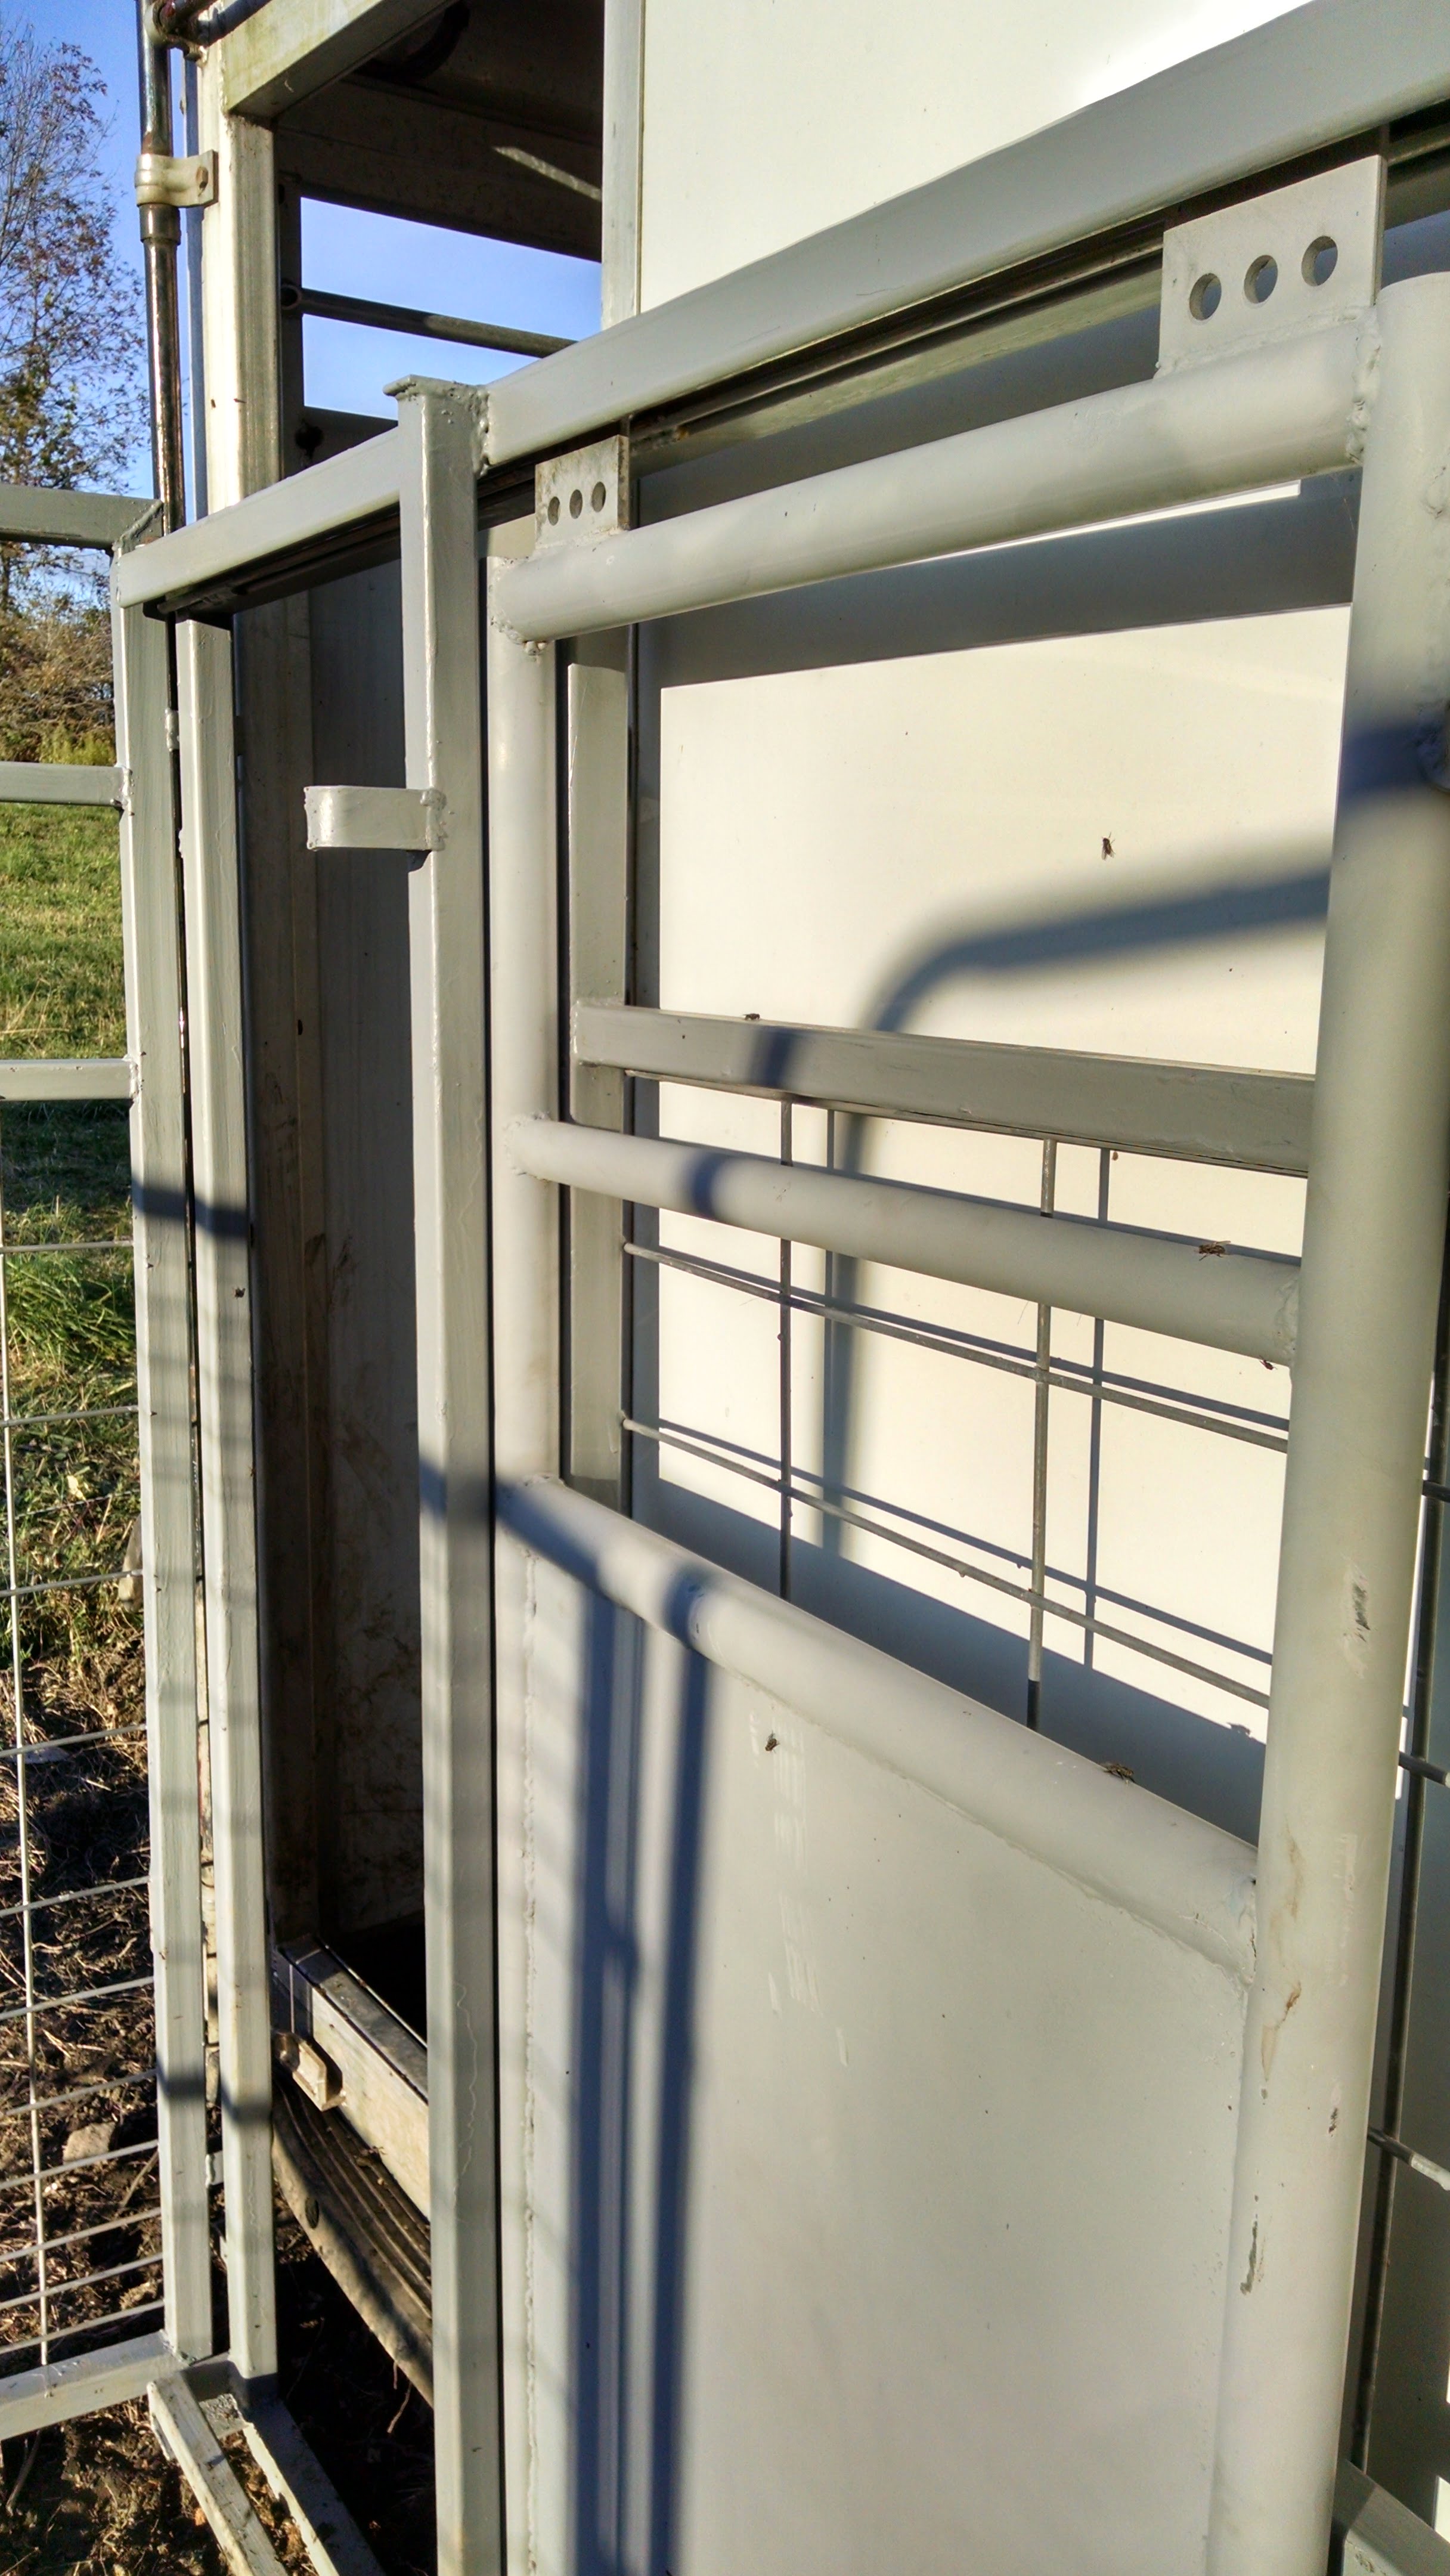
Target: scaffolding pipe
(160, 244)
(1199, 1292)
(1374, 1227)
(1229, 424)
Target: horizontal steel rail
(1310, 79)
(359, 484)
(409, 318)
(55, 782)
(1232, 1301)
(101, 519)
(1168, 1868)
(62, 2389)
(60, 1077)
(1190, 1112)
(1266, 415)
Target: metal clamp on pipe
(169, 179)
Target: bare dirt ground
(97, 2498)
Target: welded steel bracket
(583, 496)
(1299, 259)
(374, 818)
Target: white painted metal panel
(921, 844)
(814, 115)
(872, 2190)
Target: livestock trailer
(791, 1130)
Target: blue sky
(352, 254)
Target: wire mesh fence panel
(80, 2241)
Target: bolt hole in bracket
(1302, 258)
(583, 496)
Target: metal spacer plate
(584, 495)
(1300, 259)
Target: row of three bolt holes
(597, 499)
(1262, 276)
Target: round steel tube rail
(1229, 424)
(1233, 1301)
(1379, 1166)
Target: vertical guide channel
(1421, 1705)
(1039, 1466)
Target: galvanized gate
(685, 1765)
(842, 2101)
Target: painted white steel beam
(188, 2439)
(1337, 69)
(331, 2539)
(1232, 1301)
(1373, 1241)
(1194, 1112)
(356, 485)
(1265, 416)
(278, 56)
(99, 519)
(151, 946)
(96, 1077)
(56, 782)
(442, 650)
(1381, 2537)
(228, 1480)
(61, 2390)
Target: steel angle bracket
(1301, 258)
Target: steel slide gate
(861, 2130)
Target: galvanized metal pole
(1374, 1226)
(160, 244)
(441, 433)
(228, 1481)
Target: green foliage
(71, 401)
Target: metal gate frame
(1380, 393)
(181, 1178)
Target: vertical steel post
(524, 1032)
(524, 1055)
(152, 943)
(1374, 1226)
(594, 932)
(239, 354)
(442, 433)
(1037, 1614)
(228, 1480)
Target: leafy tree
(72, 386)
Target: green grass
(64, 1170)
(60, 932)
